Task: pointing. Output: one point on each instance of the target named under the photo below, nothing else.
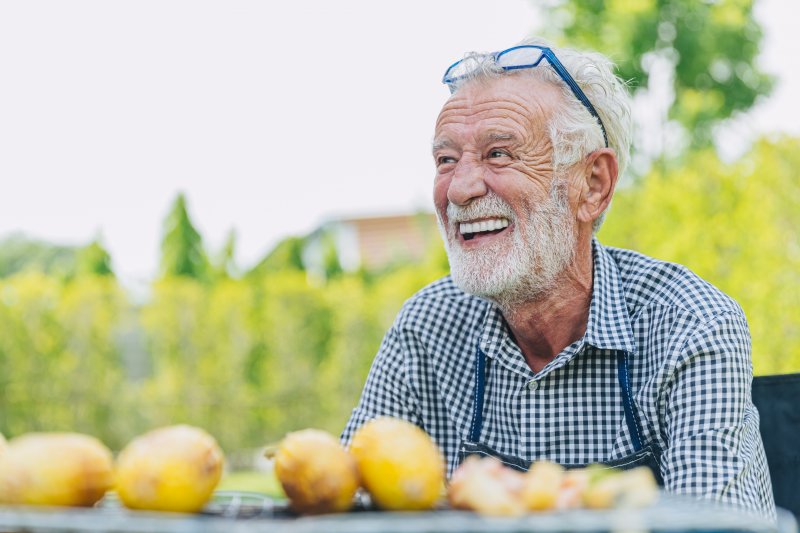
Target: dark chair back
(778, 401)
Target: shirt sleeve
(712, 427)
(387, 391)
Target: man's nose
(467, 183)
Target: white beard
(522, 268)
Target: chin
(508, 277)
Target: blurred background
(212, 211)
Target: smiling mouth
(489, 226)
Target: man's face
(507, 223)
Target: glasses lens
(523, 56)
(464, 67)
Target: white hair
(574, 132)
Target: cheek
(440, 186)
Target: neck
(543, 326)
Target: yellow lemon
(399, 464)
(169, 469)
(55, 469)
(316, 472)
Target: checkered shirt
(690, 373)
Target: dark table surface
(235, 512)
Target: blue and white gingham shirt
(690, 373)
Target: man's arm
(387, 391)
(714, 445)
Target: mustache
(487, 206)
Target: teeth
(484, 225)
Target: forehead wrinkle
(525, 117)
(500, 136)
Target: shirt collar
(609, 325)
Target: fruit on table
(64, 469)
(572, 489)
(542, 486)
(399, 464)
(317, 474)
(487, 487)
(175, 468)
(614, 488)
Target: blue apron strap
(477, 400)
(627, 400)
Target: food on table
(66, 469)
(399, 464)
(487, 487)
(316, 472)
(609, 488)
(542, 486)
(572, 488)
(174, 468)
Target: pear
(317, 474)
(399, 464)
(174, 469)
(60, 469)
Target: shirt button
(533, 385)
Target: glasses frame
(546, 53)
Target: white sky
(270, 116)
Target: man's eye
(445, 160)
(498, 153)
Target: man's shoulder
(649, 282)
(437, 301)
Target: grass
(252, 481)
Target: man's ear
(600, 181)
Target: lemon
(399, 464)
(66, 469)
(316, 472)
(174, 468)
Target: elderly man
(543, 343)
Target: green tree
(287, 255)
(93, 259)
(19, 253)
(182, 252)
(224, 265)
(710, 48)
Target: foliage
(18, 253)
(286, 255)
(59, 364)
(711, 47)
(736, 226)
(224, 265)
(182, 252)
(93, 259)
